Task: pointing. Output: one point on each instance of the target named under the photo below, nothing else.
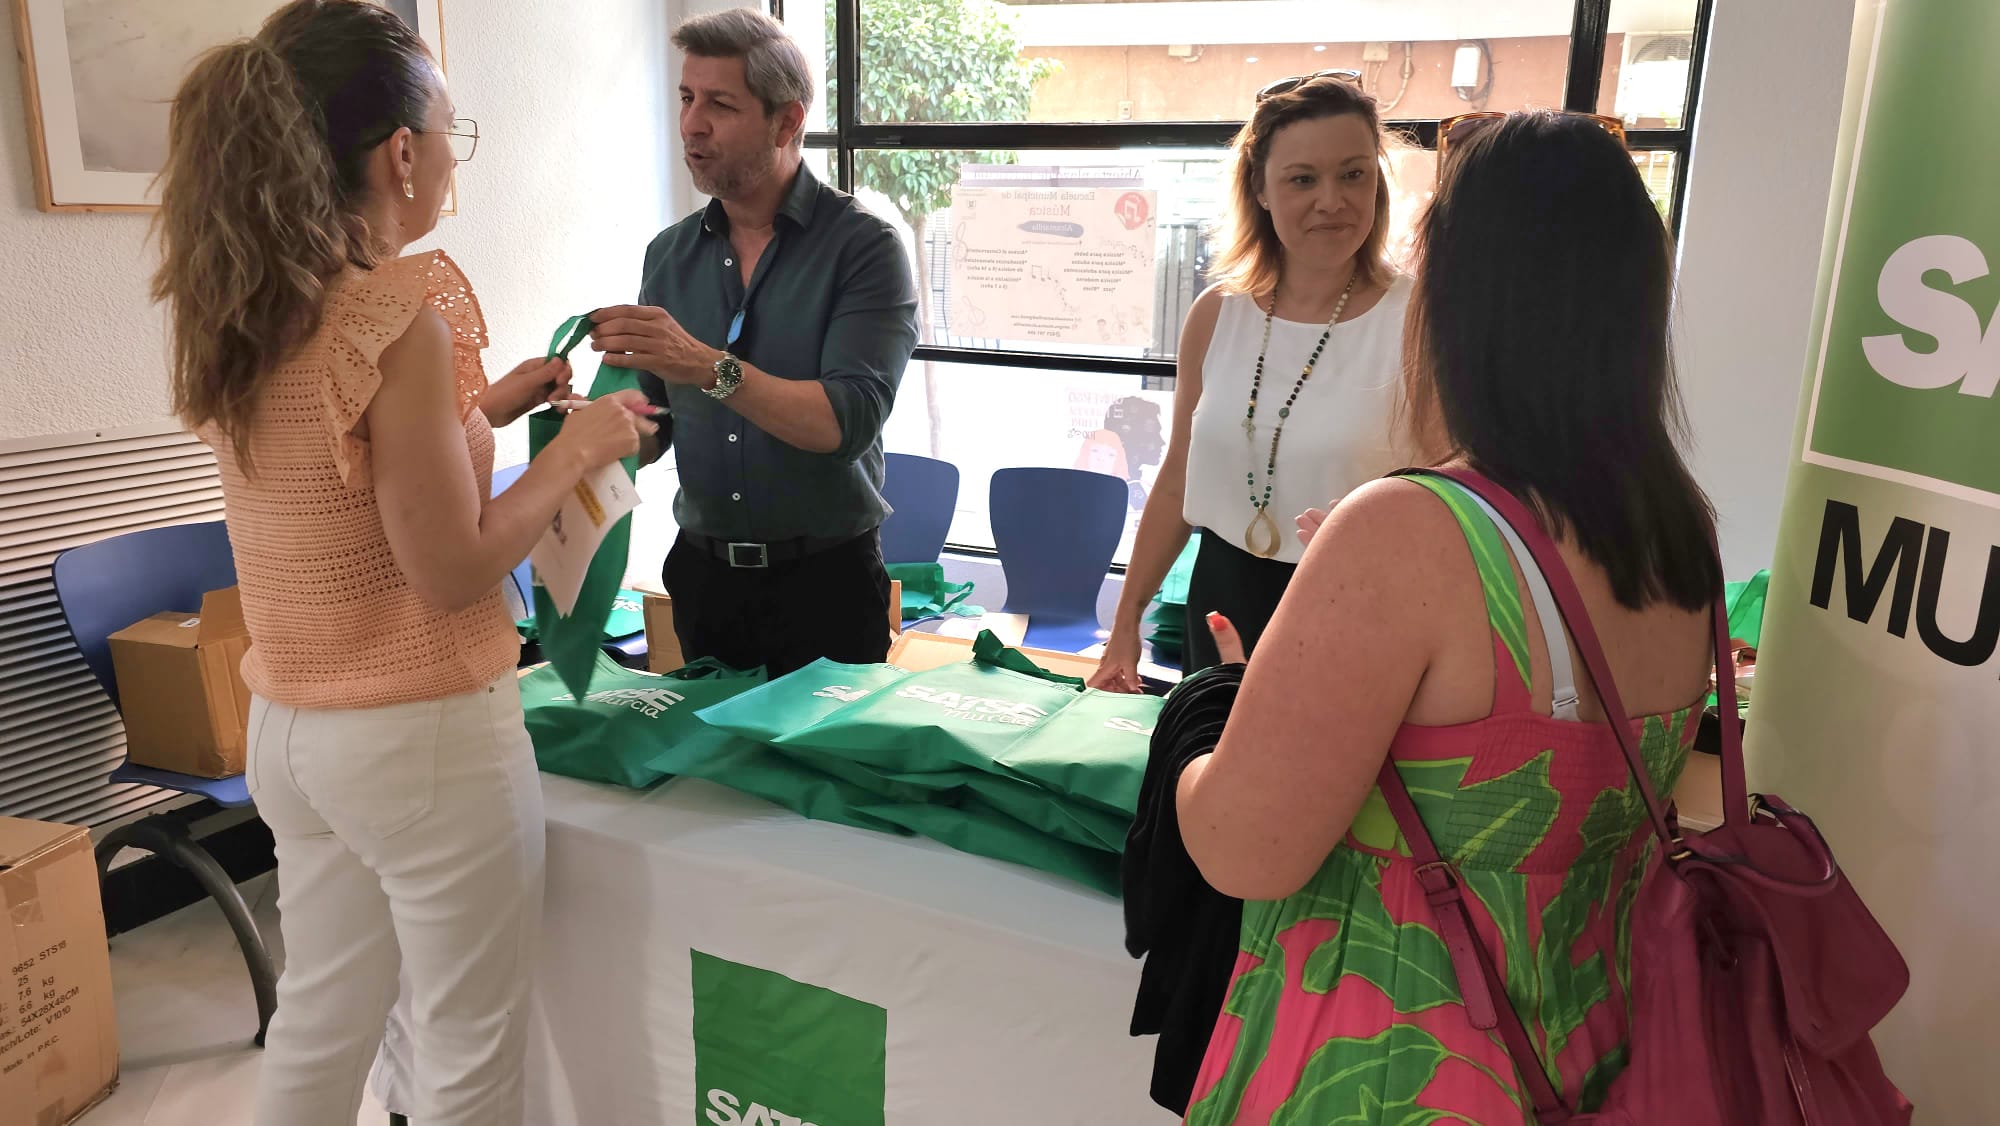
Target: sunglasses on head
(1461, 128)
(1287, 85)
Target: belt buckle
(749, 556)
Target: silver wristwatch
(728, 377)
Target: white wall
(570, 182)
(1750, 246)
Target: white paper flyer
(562, 557)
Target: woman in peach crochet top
(341, 388)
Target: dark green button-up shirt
(831, 300)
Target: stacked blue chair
(104, 587)
(1057, 530)
(923, 491)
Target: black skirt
(1237, 584)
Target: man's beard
(734, 179)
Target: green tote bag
(572, 643)
(927, 594)
(617, 731)
(803, 698)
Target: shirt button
(732, 437)
(729, 261)
(735, 496)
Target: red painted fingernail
(1217, 621)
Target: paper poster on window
(1054, 265)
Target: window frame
(1590, 27)
(1589, 41)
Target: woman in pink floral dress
(1538, 356)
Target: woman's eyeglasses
(1457, 130)
(464, 134)
(1287, 85)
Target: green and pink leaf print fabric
(1344, 1008)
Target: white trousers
(409, 843)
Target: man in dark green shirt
(775, 325)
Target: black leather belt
(757, 556)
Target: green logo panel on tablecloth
(1909, 358)
(770, 1051)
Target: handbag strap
(1479, 983)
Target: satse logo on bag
(725, 1109)
(764, 1041)
(976, 709)
(649, 702)
(842, 693)
(1128, 726)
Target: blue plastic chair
(1056, 530)
(630, 651)
(924, 493)
(104, 587)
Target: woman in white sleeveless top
(1288, 368)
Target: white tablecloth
(1007, 992)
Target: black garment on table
(1244, 588)
(833, 604)
(1185, 930)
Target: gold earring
(409, 190)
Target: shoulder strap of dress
(1496, 576)
(1562, 672)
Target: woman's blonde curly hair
(260, 199)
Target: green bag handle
(572, 644)
(575, 329)
(708, 668)
(950, 596)
(990, 650)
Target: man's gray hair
(773, 65)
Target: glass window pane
(986, 418)
(1196, 60)
(810, 23)
(821, 163)
(1648, 62)
(1658, 169)
(1093, 253)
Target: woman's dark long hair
(1538, 349)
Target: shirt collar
(800, 200)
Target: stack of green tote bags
(993, 756)
(1167, 623)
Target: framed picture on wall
(101, 75)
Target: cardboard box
(181, 690)
(58, 1030)
(920, 651)
(663, 645)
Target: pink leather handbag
(1757, 972)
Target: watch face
(728, 376)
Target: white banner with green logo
(1877, 702)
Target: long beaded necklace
(1262, 536)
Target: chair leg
(167, 836)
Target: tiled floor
(186, 1018)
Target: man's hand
(646, 338)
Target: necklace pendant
(1262, 537)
